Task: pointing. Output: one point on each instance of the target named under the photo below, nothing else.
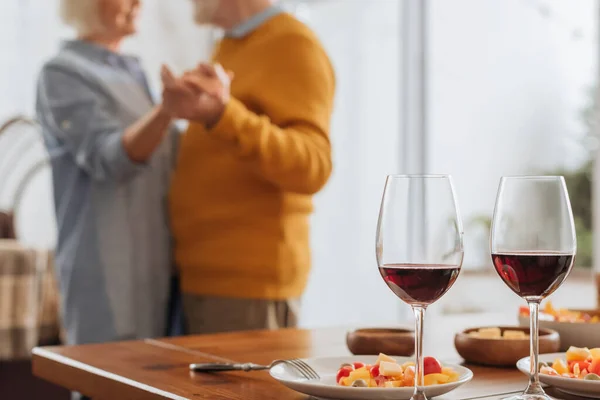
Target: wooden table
(158, 369)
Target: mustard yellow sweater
(242, 193)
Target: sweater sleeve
(288, 141)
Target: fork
(300, 366)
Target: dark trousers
(175, 315)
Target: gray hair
(81, 15)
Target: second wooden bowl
(393, 342)
(502, 352)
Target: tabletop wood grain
(158, 369)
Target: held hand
(200, 95)
(212, 84)
(177, 99)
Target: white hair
(81, 15)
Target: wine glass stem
(419, 319)
(534, 383)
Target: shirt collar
(99, 53)
(252, 23)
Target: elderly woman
(112, 151)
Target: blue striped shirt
(113, 254)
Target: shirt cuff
(117, 158)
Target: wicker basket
(29, 300)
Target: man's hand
(199, 95)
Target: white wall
(507, 89)
(364, 45)
(507, 86)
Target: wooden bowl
(394, 342)
(502, 352)
(576, 334)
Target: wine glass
(419, 246)
(533, 246)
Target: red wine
(419, 284)
(533, 275)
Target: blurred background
(474, 88)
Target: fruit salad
(387, 373)
(580, 363)
(549, 313)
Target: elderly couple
(221, 211)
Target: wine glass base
(419, 396)
(529, 397)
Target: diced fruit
(584, 373)
(390, 369)
(435, 379)
(549, 308)
(361, 373)
(595, 353)
(409, 376)
(524, 310)
(381, 380)
(548, 371)
(594, 367)
(383, 357)
(560, 367)
(343, 373)
(577, 354)
(408, 364)
(431, 366)
(452, 374)
(580, 364)
(393, 384)
(375, 371)
(391, 374)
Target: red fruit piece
(343, 373)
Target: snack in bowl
(549, 313)
(497, 333)
(501, 346)
(386, 372)
(580, 363)
(578, 328)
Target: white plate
(568, 385)
(326, 387)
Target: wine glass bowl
(419, 246)
(533, 247)
(533, 275)
(419, 285)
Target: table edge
(69, 362)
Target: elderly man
(112, 153)
(256, 152)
